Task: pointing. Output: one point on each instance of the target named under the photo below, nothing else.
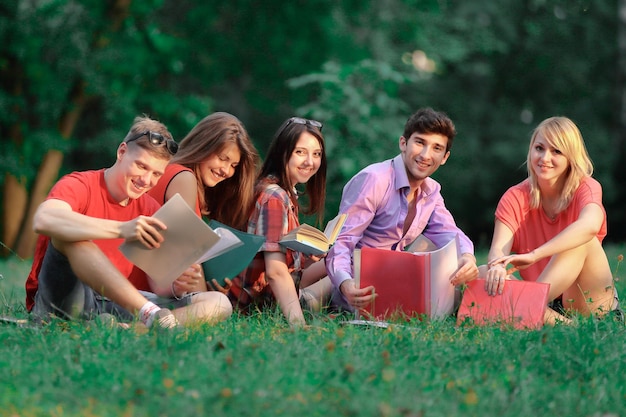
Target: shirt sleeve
(359, 203)
(73, 190)
(272, 223)
(510, 209)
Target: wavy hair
(429, 121)
(231, 200)
(562, 134)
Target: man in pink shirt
(390, 203)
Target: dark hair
(427, 120)
(277, 158)
(143, 124)
(231, 200)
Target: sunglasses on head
(302, 121)
(157, 139)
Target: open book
(187, 240)
(231, 263)
(522, 304)
(311, 241)
(407, 284)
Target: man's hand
(145, 229)
(357, 297)
(467, 270)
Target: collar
(402, 179)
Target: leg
(211, 306)
(313, 273)
(60, 292)
(95, 270)
(317, 296)
(584, 277)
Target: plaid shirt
(274, 216)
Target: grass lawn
(256, 366)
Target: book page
(334, 227)
(186, 241)
(443, 264)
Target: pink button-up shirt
(375, 200)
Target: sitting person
(550, 226)
(392, 203)
(78, 270)
(214, 171)
(295, 156)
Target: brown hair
(231, 200)
(278, 156)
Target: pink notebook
(407, 284)
(522, 304)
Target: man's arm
(440, 230)
(55, 218)
(359, 203)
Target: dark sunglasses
(157, 139)
(301, 121)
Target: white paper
(187, 240)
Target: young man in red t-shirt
(78, 270)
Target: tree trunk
(51, 164)
(13, 207)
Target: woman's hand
(213, 285)
(519, 261)
(494, 282)
(192, 280)
(310, 260)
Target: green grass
(256, 366)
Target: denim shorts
(62, 294)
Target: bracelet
(174, 293)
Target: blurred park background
(74, 74)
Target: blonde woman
(550, 226)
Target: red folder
(522, 304)
(407, 284)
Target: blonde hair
(146, 124)
(562, 134)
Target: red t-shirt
(533, 228)
(158, 191)
(86, 193)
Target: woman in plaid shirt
(295, 156)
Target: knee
(214, 305)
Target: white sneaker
(164, 319)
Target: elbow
(41, 222)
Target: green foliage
(497, 68)
(363, 118)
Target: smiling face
(422, 154)
(548, 163)
(135, 172)
(221, 165)
(305, 159)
